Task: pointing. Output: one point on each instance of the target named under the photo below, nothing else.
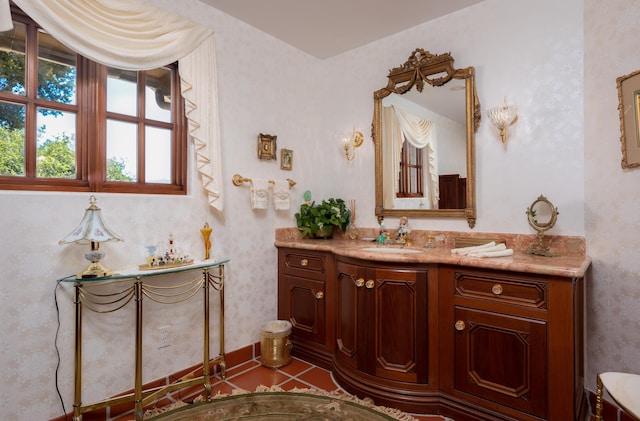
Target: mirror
(424, 125)
(542, 216)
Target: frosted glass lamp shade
(92, 230)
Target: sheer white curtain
(419, 133)
(391, 153)
(133, 35)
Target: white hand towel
(281, 194)
(466, 250)
(498, 253)
(259, 191)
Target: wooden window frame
(91, 119)
(407, 166)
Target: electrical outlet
(163, 336)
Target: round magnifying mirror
(542, 216)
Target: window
(410, 183)
(70, 124)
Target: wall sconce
(92, 230)
(352, 141)
(503, 117)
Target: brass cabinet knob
(460, 325)
(370, 283)
(319, 295)
(359, 282)
(497, 289)
(304, 262)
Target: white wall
(612, 194)
(531, 52)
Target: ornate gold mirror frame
(629, 107)
(539, 209)
(435, 70)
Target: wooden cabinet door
(398, 316)
(501, 358)
(351, 329)
(303, 304)
(382, 321)
(305, 298)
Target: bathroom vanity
(429, 332)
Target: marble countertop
(572, 265)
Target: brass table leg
(77, 392)
(223, 363)
(205, 366)
(598, 399)
(138, 376)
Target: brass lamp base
(95, 270)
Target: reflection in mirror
(424, 125)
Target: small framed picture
(286, 159)
(267, 147)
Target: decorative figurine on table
(206, 233)
(171, 257)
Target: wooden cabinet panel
(307, 311)
(384, 312)
(520, 290)
(305, 264)
(501, 358)
(306, 299)
(400, 320)
(349, 285)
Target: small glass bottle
(352, 230)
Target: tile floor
(297, 374)
(249, 374)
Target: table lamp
(92, 230)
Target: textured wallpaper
(612, 194)
(561, 74)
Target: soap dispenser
(382, 234)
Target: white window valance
(133, 35)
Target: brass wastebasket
(275, 343)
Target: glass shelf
(138, 273)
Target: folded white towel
(466, 250)
(259, 191)
(497, 253)
(281, 194)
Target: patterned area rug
(273, 403)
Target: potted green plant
(319, 220)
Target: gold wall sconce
(350, 142)
(503, 117)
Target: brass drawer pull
(370, 283)
(304, 262)
(460, 325)
(319, 295)
(497, 289)
(359, 282)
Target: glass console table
(135, 285)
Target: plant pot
(323, 234)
